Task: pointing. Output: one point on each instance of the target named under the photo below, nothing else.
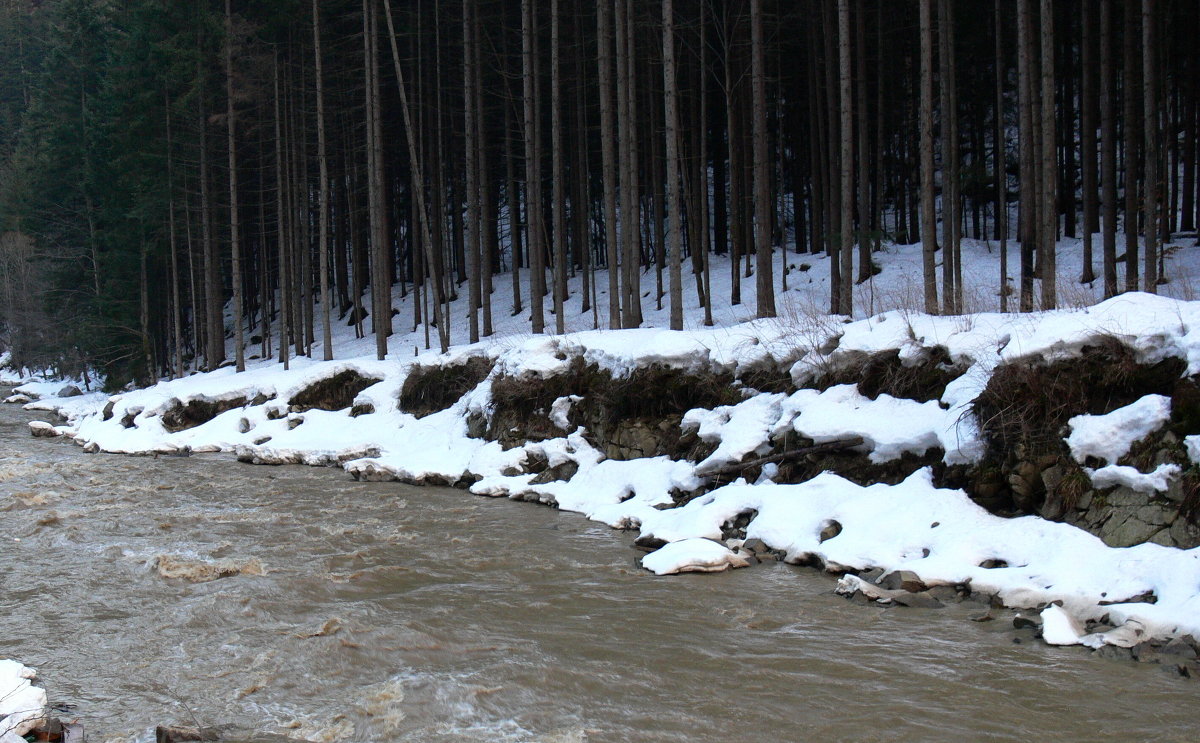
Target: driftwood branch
(736, 467)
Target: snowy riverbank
(937, 533)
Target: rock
(70, 391)
(108, 410)
(872, 575)
(902, 579)
(1114, 652)
(43, 430)
(1085, 501)
(18, 399)
(244, 425)
(755, 545)
(1178, 649)
(1023, 622)
(361, 408)
(949, 593)
(830, 530)
(919, 600)
(982, 617)
(1184, 534)
(294, 421)
(1129, 526)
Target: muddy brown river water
(393, 613)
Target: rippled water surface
(392, 613)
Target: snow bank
(1110, 436)
(22, 705)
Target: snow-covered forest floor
(696, 513)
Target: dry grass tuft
(429, 389)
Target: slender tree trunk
(1133, 145)
(239, 339)
(951, 244)
(281, 222)
(1108, 142)
(846, 162)
(559, 176)
(176, 319)
(1087, 138)
(418, 180)
(470, 148)
(323, 186)
(1152, 192)
(1001, 165)
(608, 157)
(674, 205)
(765, 282)
(1049, 163)
(1029, 200)
(533, 174)
(928, 210)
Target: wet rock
(1114, 652)
(1178, 649)
(949, 593)
(1024, 622)
(985, 616)
(872, 575)
(70, 391)
(20, 399)
(918, 600)
(43, 430)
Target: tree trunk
(928, 213)
(846, 161)
(323, 189)
(1152, 192)
(608, 157)
(764, 282)
(1049, 165)
(1108, 143)
(674, 205)
(239, 339)
(1087, 138)
(1000, 163)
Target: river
(393, 613)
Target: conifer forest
(184, 185)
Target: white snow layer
(22, 705)
(1110, 436)
(939, 534)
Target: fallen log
(736, 467)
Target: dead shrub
(884, 373)
(769, 374)
(429, 389)
(332, 393)
(656, 394)
(1027, 403)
